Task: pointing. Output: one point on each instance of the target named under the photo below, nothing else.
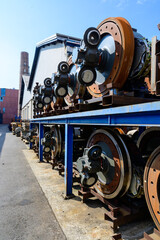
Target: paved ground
(24, 210)
(80, 221)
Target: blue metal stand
(68, 158)
(142, 115)
(30, 127)
(141, 130)
(40, 142)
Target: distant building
(8, 105)
(48, 54)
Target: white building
(48, 54)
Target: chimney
(24, 70)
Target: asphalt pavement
(25, 213)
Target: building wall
(8, 104)
(27, 96)
(48, 60)
(27, 111)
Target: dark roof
(68, 40)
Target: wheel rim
(152, 186)
(58, 140)
(120, 30)
(117, 180)
(149, 141)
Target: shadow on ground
(3, 130)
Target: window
(3, 92)
(24, 70)
(4, 110)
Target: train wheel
(56, 103)
(58, 141)
(77, 90)
(148, 141)
(152, 185)
(118, 40)
(116, 180)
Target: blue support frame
(40, 142)
(141, 130)
(68, 158)
(142, 115)
(146, 114)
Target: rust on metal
(117, 237)
(153, 236)
(119, 212)
(158, 69)
(115, 100)
(152, 185)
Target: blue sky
(23, 23)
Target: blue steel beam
(68, 158)
(40, 142)
(146, 114)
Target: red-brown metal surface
(58, 141)
(152, 185)
(118, 211)
(121, 31)
(57, 103)
(153, 236)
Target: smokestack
(24, 70)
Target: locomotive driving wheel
(75, 91)
(117, 40)
(57, 102)
(152, 185)
(149, 141)
(116, 180)
(58, 141)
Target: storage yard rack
(142, 115)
